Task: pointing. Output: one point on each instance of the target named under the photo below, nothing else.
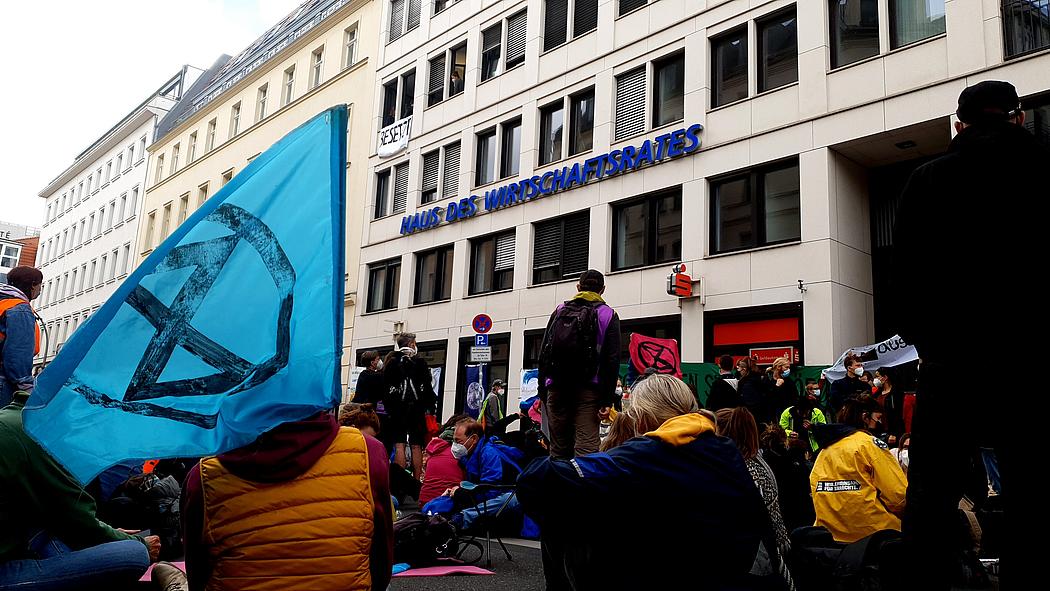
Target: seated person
(441, 470)
(51, 537)
(680, 483)
(362, 417)
(858, 487)
(305, 506)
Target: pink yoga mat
(149, 572)
(440, 571)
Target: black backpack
(423, 540)
(819, 563)
(570, 349)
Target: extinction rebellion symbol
(173, 329)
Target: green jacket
(36, 493)
(788, 423)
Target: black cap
(592, 280)
(988, 100)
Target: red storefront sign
(767, 355)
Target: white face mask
(409, 351)
(498, 391)
(816, 393)
(379, 365)
(619, 391)
(858, 371)
(459, 451)
(877, 383)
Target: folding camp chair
(486, 521)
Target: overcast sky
(76, 68)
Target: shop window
(561, 248)
(384, 280)
(759, 207)
(434, 275)
(492, 263)
(648, 231)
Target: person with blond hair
(675, 460)
(781, 392)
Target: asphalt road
(524, 572)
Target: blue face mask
(786, 372)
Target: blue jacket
(677, 499)
(492, 462)
(16, 349)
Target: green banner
(700, 376)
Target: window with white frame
(209, 138)
(184, 207)
(142, 147)
(98, 175)
(127, 258)
(447, 71)
(567, 19)
(260, 102)
(226, 177)
(80, 190)
(101, 218)
(440, 177)
(91, 226)
(120, 165)
(667, 96)
(131, 157)
(83, 230)
(83, 278)
(235, 119)
(151, 222)
(109, 171)
(91, 275)
(399, 97)
(350, 46)
(494, 60)
(113, 263)
(202, 194)
(316, 67)
(289, 86)
(112, 214)
(404, 16)
(165, 223)
(159, 173)
(174, 159)
(132, 207)
(191, 148)
(10, 257)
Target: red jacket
(443, 471)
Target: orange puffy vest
(7, 304)
(314, 532)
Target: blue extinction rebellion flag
(233, 325)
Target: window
(113, 264)
(112, 214)
(630, 103)
(756, 208)
(260, 102)
(73, 282)
(668, 90)
(191, 148)
(854, 30)
(174, 159)
(629, 5)
(915, 20)
(450, 171)
(226, 177)
(1026, 26)
(431, 172)
(402, 20)
(202, 193)
(123, 207)
(648, 231)
(289, 86)
(83, 231)
(151, 221)
(447, 72)
(385, 203)
(165, 223)
(109, 175)
(316, 67)
(777, 50)
(490, 51)
(101, 217)
(127, 258)
(142, 147)
(98, 175)
(350, 46)
(561, 248)
(131, 158)
(80, 190)
(584, 19)
(510, 149)
(440, 5)
(209, 138)
(116, 171)
(729, 67)
(486, 161)
(516, 29)
(102, 266)
(133, 206)
(384, 280)
(235, 119)
(582, 138)
(434, 275)
(492, 263)
(394, 109)
(552, 123)
(10, 257)
(83, 278)
(91, 275)
(184, 206)
(91, 225)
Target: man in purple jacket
(579, 363)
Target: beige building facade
(322, 54)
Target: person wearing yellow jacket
(858, 487)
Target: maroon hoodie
(280, 455)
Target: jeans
(106, 566)
(490, 508)
(991, 465)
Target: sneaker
(168, 577)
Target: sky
(76, 68)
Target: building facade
(91, 217)
(18, 246)
(322, 54)
(762, 144)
